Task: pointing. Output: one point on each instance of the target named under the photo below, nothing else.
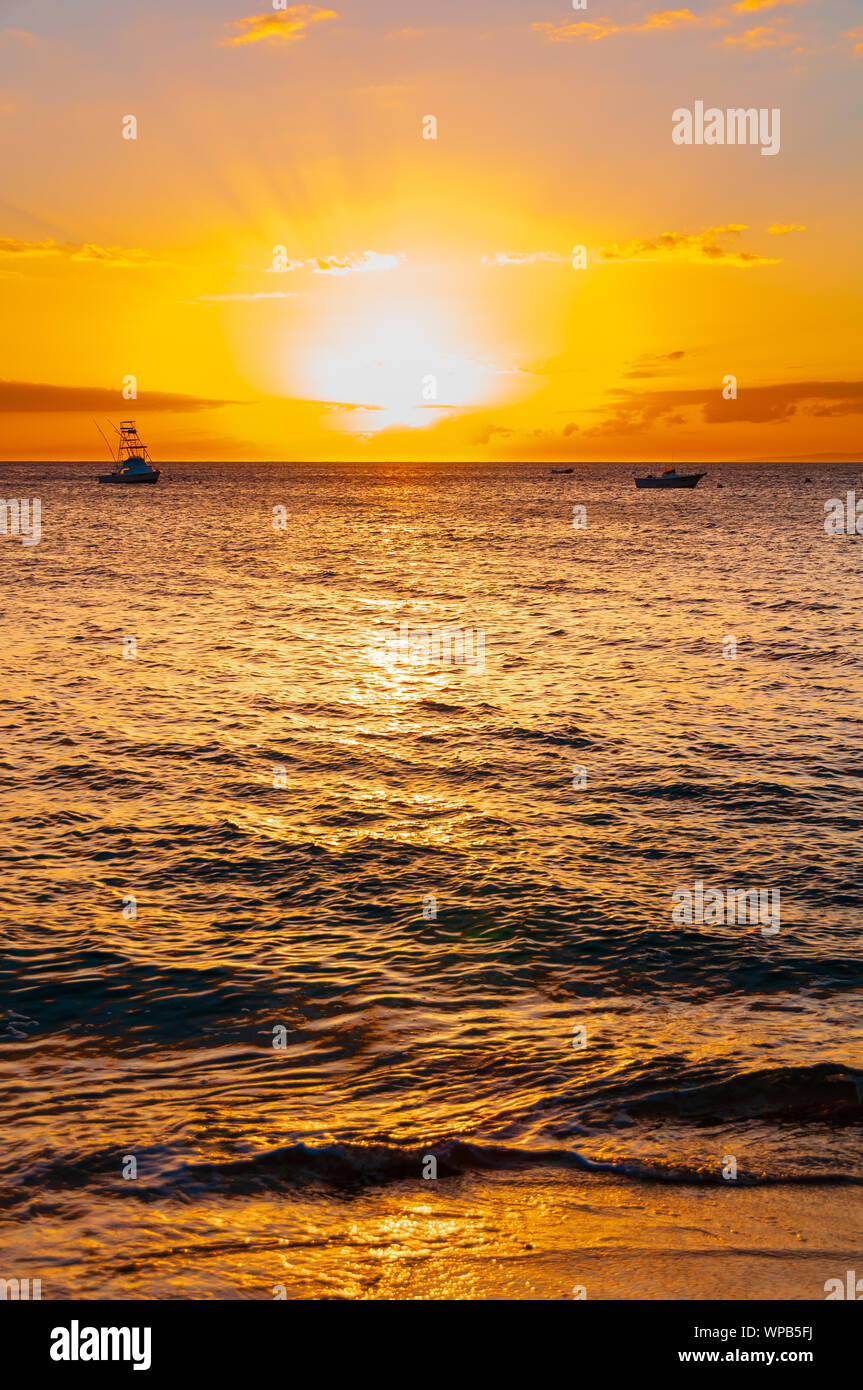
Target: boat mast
(131, 444)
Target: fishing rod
(104, 436)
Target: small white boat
(133, 458)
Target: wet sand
(527, 1236)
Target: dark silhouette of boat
(669, 477)
(133, 458)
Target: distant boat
(669, 477)
(133, 458)
(563, 470)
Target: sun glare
(397, 367)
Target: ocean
(347, 816)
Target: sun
(397, 365)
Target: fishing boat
(133, 463)
(669, 477)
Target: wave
(355, 1165)
(825, 1093)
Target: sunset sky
(426, 305)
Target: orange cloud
(757, 405)
(22, 396)
(562, 32)
(671, 19)
(123, 256)
(584, 29)
(696, 248)
(129, 257)
(14, 246)
(747, 6)
(650, 364)
(783, 228)
(765, 37)
(349, 265)
(283, 26)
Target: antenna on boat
(104, 436)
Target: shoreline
(528, 1236)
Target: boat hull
(128, 479)
(678, 480)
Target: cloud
(673, 19)
(764, 37)
(281, 26)
(129, 257)
(561, 31)
(15, 246)
(652, 365)
(352, 264)
(280, 269)
(696, 248)
(121, 256)
(339, 265)
(700, 248)
(747, 6)
(523, 257)
(222, 298)
(770, 35)
(783, 228)
(856, 34)
(755, 405)
(41, 396)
